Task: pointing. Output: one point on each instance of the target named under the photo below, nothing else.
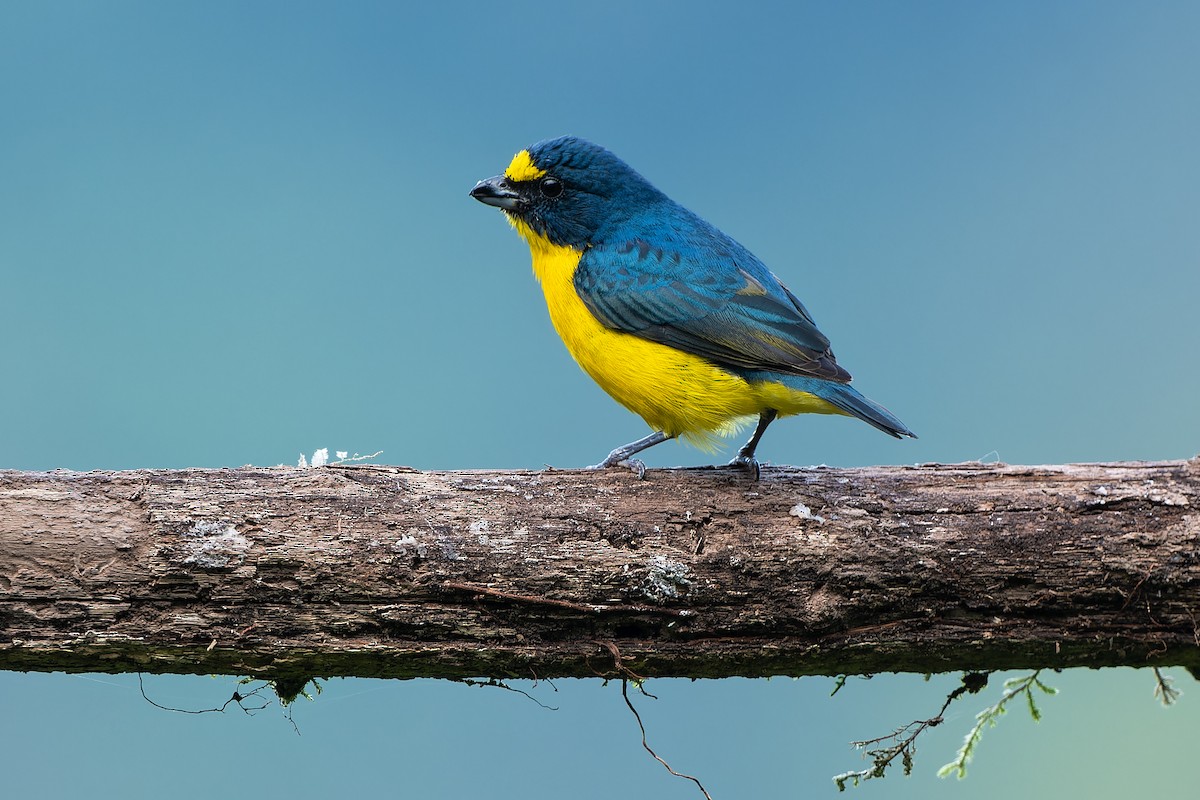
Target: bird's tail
(840, 396)
(850, 401)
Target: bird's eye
(551, 187)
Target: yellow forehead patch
(522, 168)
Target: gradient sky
(235, 232)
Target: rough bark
(388, 571)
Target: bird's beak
(497, 192)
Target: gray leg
(621, 456)
(745, 457)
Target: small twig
(520, 598)
(1164, 689)
(903, 748)
(840, 681)
(1133, 592)
(649, 749)
(549, 601)
(499, 684)
(351, 459)
(849, 632)
(624, 671)
(628, 675)
(291, 719)
(237, 697)
(537, 680)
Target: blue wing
(693, 288)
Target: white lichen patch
(665, 579)
(480, 528)
(320, 458)
(802, 511)
(214, 545)
(407, 543)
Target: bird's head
(567, 192)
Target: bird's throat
(552, 263)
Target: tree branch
(388, 571)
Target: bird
(674, 319)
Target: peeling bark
(388, 571)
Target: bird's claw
(748, 463)
(635, 464)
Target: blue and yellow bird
(677, 321)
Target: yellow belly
(676, 392)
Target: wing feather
(707, 295)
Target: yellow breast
(676, 392)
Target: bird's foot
(623, 456)
(611, 460)
(747, 463)
(636, 465)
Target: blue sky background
(232, 232)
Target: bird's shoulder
(668, 242)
